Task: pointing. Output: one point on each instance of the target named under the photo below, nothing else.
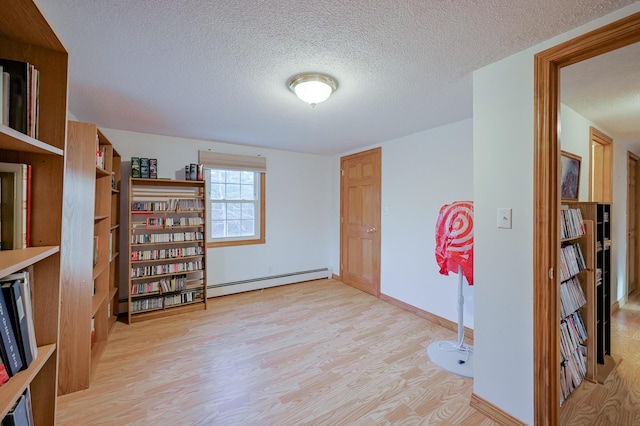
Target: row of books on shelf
(21, 414)
(151, 270)
(167, 285)
(571, 223)
(572, 297)
(571, 261)
(194, 172)
(166, 238)
(170, 205)
(572, 372)
(101, 153)
(599, 245)
(168, 253)
(158, 222)
(18, 347)
(573, 352)
(573, 333)
(161, 302)
(142, 167)
(19, 96)
(15, 205)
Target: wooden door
(360, 220)
(632, 222)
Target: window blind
(220, 160)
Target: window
(235, 201)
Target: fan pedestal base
(448, 354)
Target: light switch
(504, 218)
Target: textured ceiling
(217, 70)
(606, 89)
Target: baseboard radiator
(214, 290)
(223, 289)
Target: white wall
(574, 137)
(299, 206)
(503, 141)
(421, 173)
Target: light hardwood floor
(316, 353)
(616, 402)
(319, 353)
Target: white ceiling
(606, 89)
(217, 70)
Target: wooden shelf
(168, 259)
(159, 313)
(14, 260)
(27, 37)
(16, 141)
(11, 390)
(166, 275)
(78, 358)
(166, 182)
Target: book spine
(10, 351)
(135, 167)
(15, 307)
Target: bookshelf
(89, 286)
(576, 291)
(26, 36)
(600, 214)
(167, 251)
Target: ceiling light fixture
(313, 88)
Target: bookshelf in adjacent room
(600, 214)
(90, 287)
(25, 36)
(576, 272)
(167, 250)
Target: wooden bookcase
(600, 214)
(167, 250)
(576, 305)
(26, 36)
(90, 283)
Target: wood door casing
(360, 197)
(632, 222)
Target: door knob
(371, 230)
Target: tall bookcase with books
(25, 36)
(576, 301)
(89, 281)
(600, 214)
(167, 251)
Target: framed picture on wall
(569, 176)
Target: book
(5, 98)
(8, 344)
(144, 168)
(27, 298)
(95, 250)
(4, 375)
(18, 415)
(187, 172)
(18, 96)
(135, 167)
(14, 192)
(193, 171)
(15, 307)
(27, 209)
(153, 168)
(200, 172)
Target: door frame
(342, 225)
(546, 239)
(636, 158)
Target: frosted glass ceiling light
(313, 88)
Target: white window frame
(259, 188)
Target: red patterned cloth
(454, 239)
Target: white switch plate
(504, 218)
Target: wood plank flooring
(315, 353)
(616, 402)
